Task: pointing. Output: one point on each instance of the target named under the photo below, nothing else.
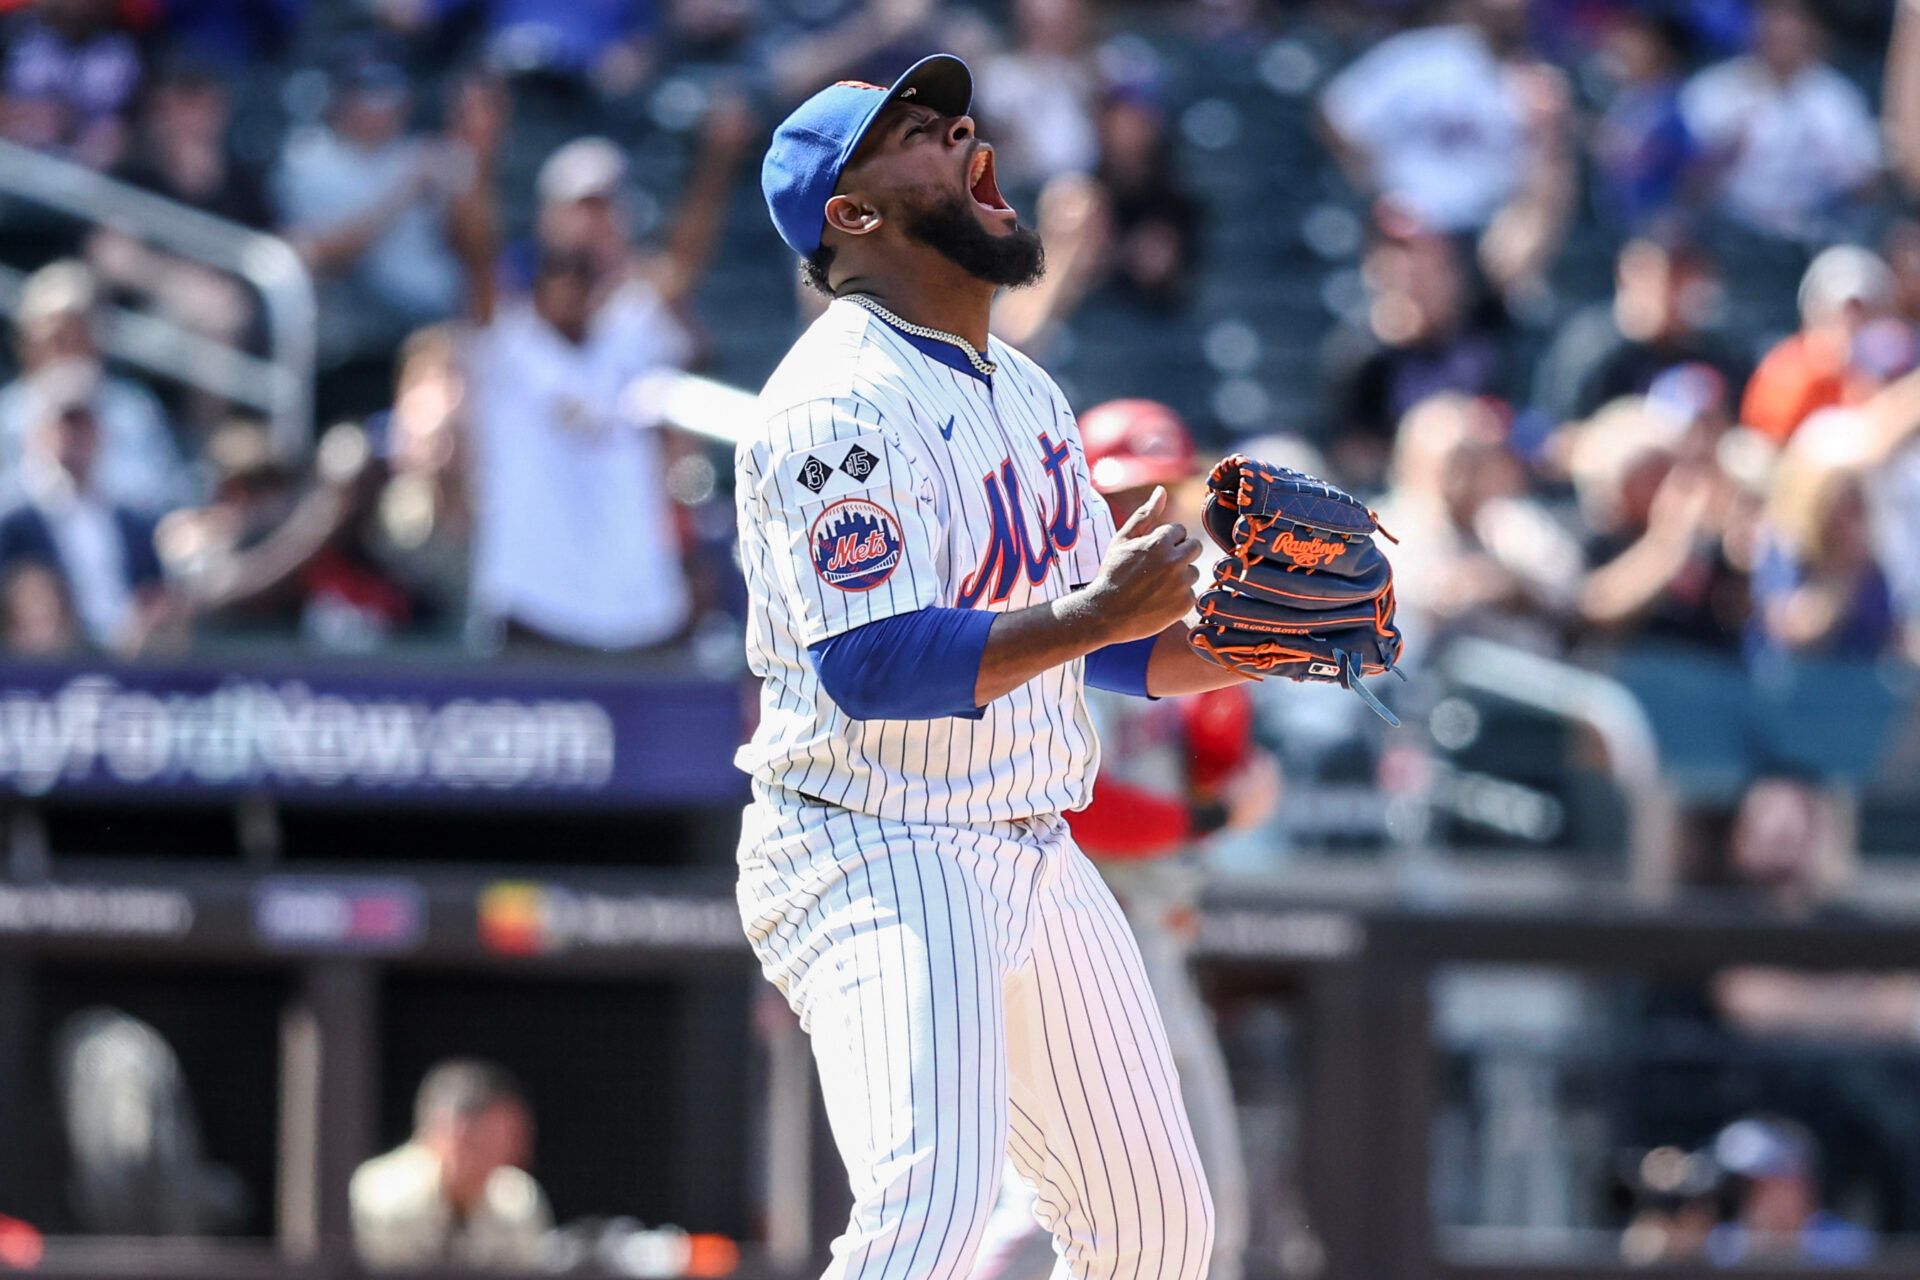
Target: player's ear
(852, 215)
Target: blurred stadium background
(371, 649)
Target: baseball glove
(1302, 591)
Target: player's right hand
(1145, 584)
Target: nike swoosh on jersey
(946, 432)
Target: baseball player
(933, 583)
(1172, 772)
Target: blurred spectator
(1844, 291)
(1475, 554)
(1658, 563)
(1898, 513)
(1792, 852)
(70, 76)
(1676, 1197)
(1789, 139)
(1643, 152)
(138, 462)
(1036, 98)
(102, 552)
(236, 35)
(1414, 120)
(365, 203)
(181, 152)
(1789, 849)
(254, 493)
(421, 526)
(1156, 220)
(1134, 228)
(1663, 290)
(455, 1194)
(1817, 589)
(1774, 1165)
(133, 1135)
(1421, 338)
(607, 43)
(274, 554)
(1901, 248)
(1465, 131)
(867, 39)
(37, 616)
(576, 543)
(1878, 441)
(1076, 224)
(1900, 97)
(181, 149)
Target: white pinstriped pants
(974, 995)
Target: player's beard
(949, 226)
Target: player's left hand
(1251, 792)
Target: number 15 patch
(837, 469)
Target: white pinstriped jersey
(889, 476)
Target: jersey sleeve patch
(856, 544)
(833, 470)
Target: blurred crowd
(1714, 454)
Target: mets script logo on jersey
(856, 544)
(1308, 553)
(1013, 548)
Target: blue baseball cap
(813, 145)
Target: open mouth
(980, 182)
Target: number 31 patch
(856, 544)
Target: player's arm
(1174, 668)
(1144, 587)
(936, 661)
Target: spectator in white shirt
(101, 552)
(365, 203)
(1458, 127)
(1790, 138)
(455, 1194)
(1039, 95)
(575, 540)
(139, 464)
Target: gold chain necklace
(985, 366)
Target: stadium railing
(280, 385)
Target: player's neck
(952, 302)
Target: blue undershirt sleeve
(1122, 668)
(919, 665)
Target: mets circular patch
(856, 544)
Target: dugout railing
(1358, 977)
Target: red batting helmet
(1131, 443)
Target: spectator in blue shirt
(1817, 589)
(1643, 152)
(605, 42)
(1778, 1218)
(68, 74)
(101, 552)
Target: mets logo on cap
(856, 544)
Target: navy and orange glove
(1302, 592)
